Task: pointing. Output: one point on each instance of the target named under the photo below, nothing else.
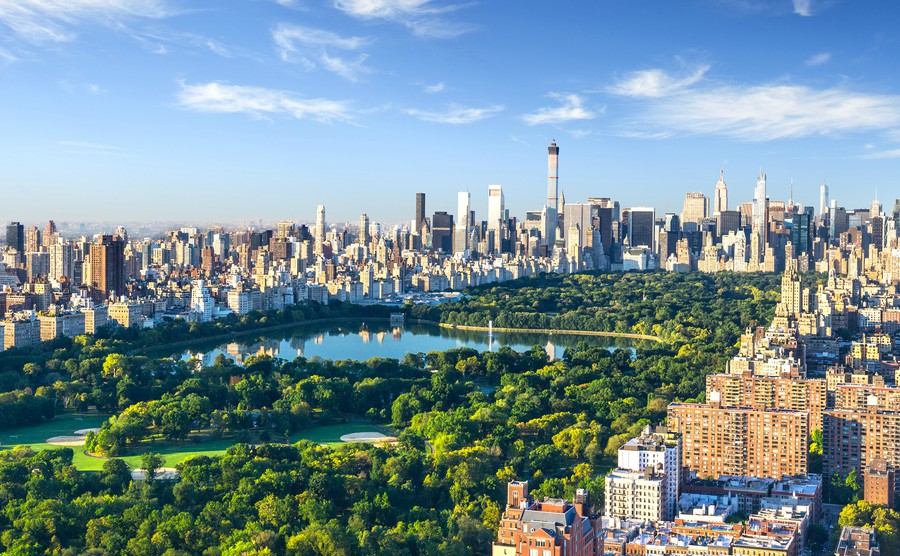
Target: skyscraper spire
(720, 199)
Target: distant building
(107, 268)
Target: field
(174, 453)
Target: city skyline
(374, 101)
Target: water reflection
(362, 341)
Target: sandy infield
(367, 437)
(163, 474)
(66, 440)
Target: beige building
(636, 494)
(95, 318)
(765, 392)
(68, 324)
(741, 440)
(125, 313)
(21, 333)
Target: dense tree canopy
(467, 422)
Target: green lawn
(173, 453)
(63, 425)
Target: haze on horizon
(170, 110)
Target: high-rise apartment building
(364, 236)
(461, 233)
(552, 218)
(760, 216)
(740, 440)
(880, 483)
(107, 258)
(823, 200)
(853, 438)
(696, 208)
(320, 230)
(658, 450)
(61, 260)
(637, 494)
(770, 392)
(496, 215)
(720, 203)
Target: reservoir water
(362, 341)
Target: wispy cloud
(818, 59)
(310, 47)
(7, 57)
(260, 102)
(654, 83)
(423, 17)
(457, 114)
(571, 108)
(42, 21)
(762, 112)
(803, 7)
(893, 153)
(436, 88)
(96, 149)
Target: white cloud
(310, 47)
(92, 149)
(422, 17)
(654, 83)
(41, 21)
(818, 59)
(456, 114)
(894, 153)
(436, 88)
(87, 145)
(571, 109)
(803, 7)
(763, 112)
(260, 102)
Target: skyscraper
(823, 199)
(552, 218)
(420, 211)
(320, 229)
(107, 267)
(758, 217)
(442, 231)
(496, 215)
(553, 176)
(461, 235)
(364, 236)
(696, 208)
(720, 203)
(15, 239)
(641, 227)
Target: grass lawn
(173, 453)
(330, 435)
(63, 425)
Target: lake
(362, 341)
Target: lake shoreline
(550, 331)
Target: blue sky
(124, 110)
